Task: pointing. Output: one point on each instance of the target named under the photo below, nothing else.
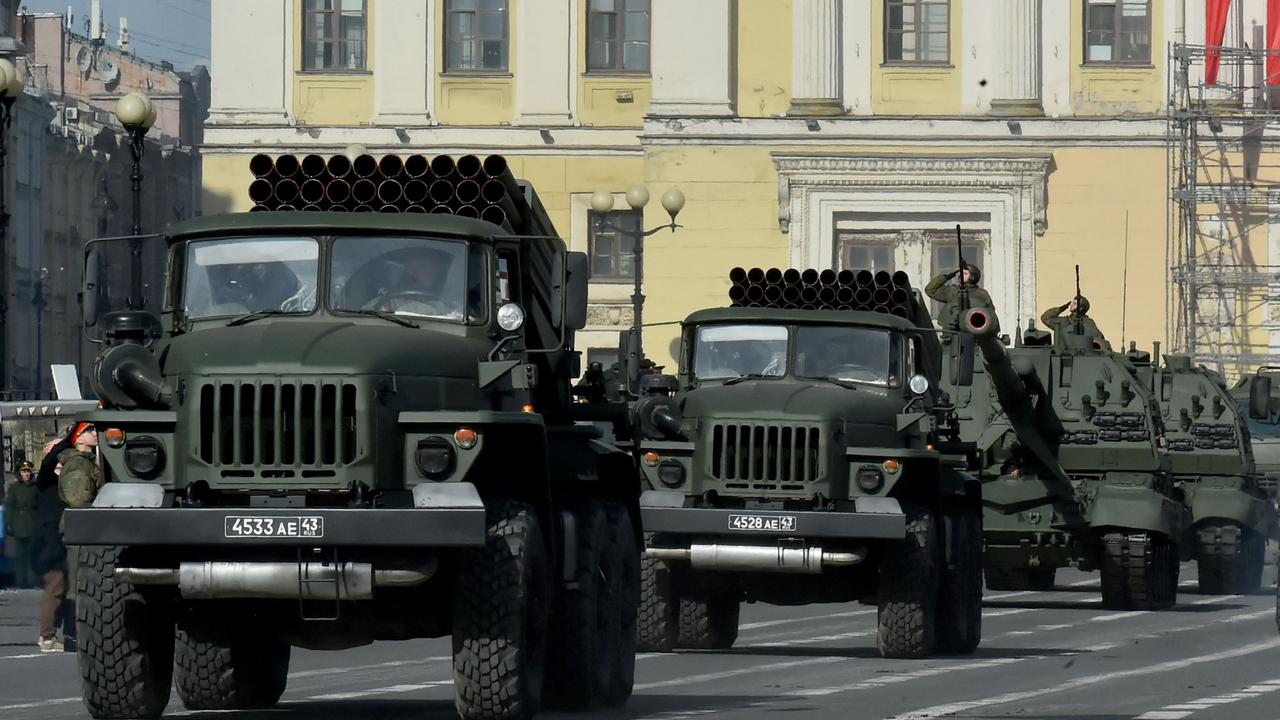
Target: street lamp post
(137, 114)
(10, 88)
(637, 198)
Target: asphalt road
(1044, 656)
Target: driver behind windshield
(408, 281)
(843, 354)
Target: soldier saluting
(1077, 330)
(957, 299)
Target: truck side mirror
(89, 287)
(575, 295)
(962, 367)
(1260, 397)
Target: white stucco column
(815, 57)
(690, 58)
(545, 51)
(251, 55)
(1015, 38)
(404, 52)
(856, 53)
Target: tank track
(1229, 559)
(1139, 571)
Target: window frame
(335, 40)
(1115, 30)
(886, 32)
(447, 36)
(617, 233)
(620, 12)
(846, 240)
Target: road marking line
(1165, 715)
(42, 703)
(710, 677)
(1085, 681)
(378, 691)
(375, 666)
(1188, 706)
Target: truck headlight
(144, 456)
(869, 480)
(434, 458)
(671, 473)
(510, 317)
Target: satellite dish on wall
(108, 70)
(84, 59)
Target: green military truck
(1212, 462)
(1071, 451)
(327, 429)
(1264, 430)
(798, 440)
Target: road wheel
(908, 590)
(959, 628)
(657, 624)
(1139, 571)
(500, 613)
(1229, 559)
(708, 618)
(627, 549)
(125, 641)
(1021, 579)
(228, 662)
(580, 662)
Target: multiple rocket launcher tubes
(468, 187)
(794, 289)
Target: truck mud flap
(1138, 508)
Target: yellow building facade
(813, 133)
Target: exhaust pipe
(758, 558)
(278, 580)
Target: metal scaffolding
(1224, 181)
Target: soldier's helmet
(975, 274)
(1082, 305)
(26, 465)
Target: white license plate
(238, 526)
(763, 523)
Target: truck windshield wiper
(385, 315)
(256, 315)
(850, 384)
(748, 376)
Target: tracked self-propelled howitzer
(800, 438)
(1212, 463)
(327, 429)
(1070, 449)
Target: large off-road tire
(908, 590)
(959, 627)
(587, 619)
(708, 618)
(500, 611)
(626, 547)
(125, 641)
(657, 622)
(1139, 571)
(1229, 559)
(226, 661)
(1020, 579)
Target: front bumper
(338, 527)
(661, 514)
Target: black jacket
(48, 552)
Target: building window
(618, 36)
(612, 244)
(866, 250)
(917, 31)
(335, 35)
(1118, 31)
(476, 36)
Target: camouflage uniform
(1065, 334)
(78, 485)
(949, 295)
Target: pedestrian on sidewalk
(20, 503)
(50, 555)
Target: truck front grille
(765, 456)
(277, 424)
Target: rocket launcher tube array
(793, 288)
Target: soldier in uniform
(78, 483)
(1076, 331)
(954, 305)
(20, 504)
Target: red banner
(1273, 42)
(1215, 28)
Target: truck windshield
(856, 354)
(408, 276)
(1268, 429)
(235, 276)
(729, 351)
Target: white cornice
(289, 138)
